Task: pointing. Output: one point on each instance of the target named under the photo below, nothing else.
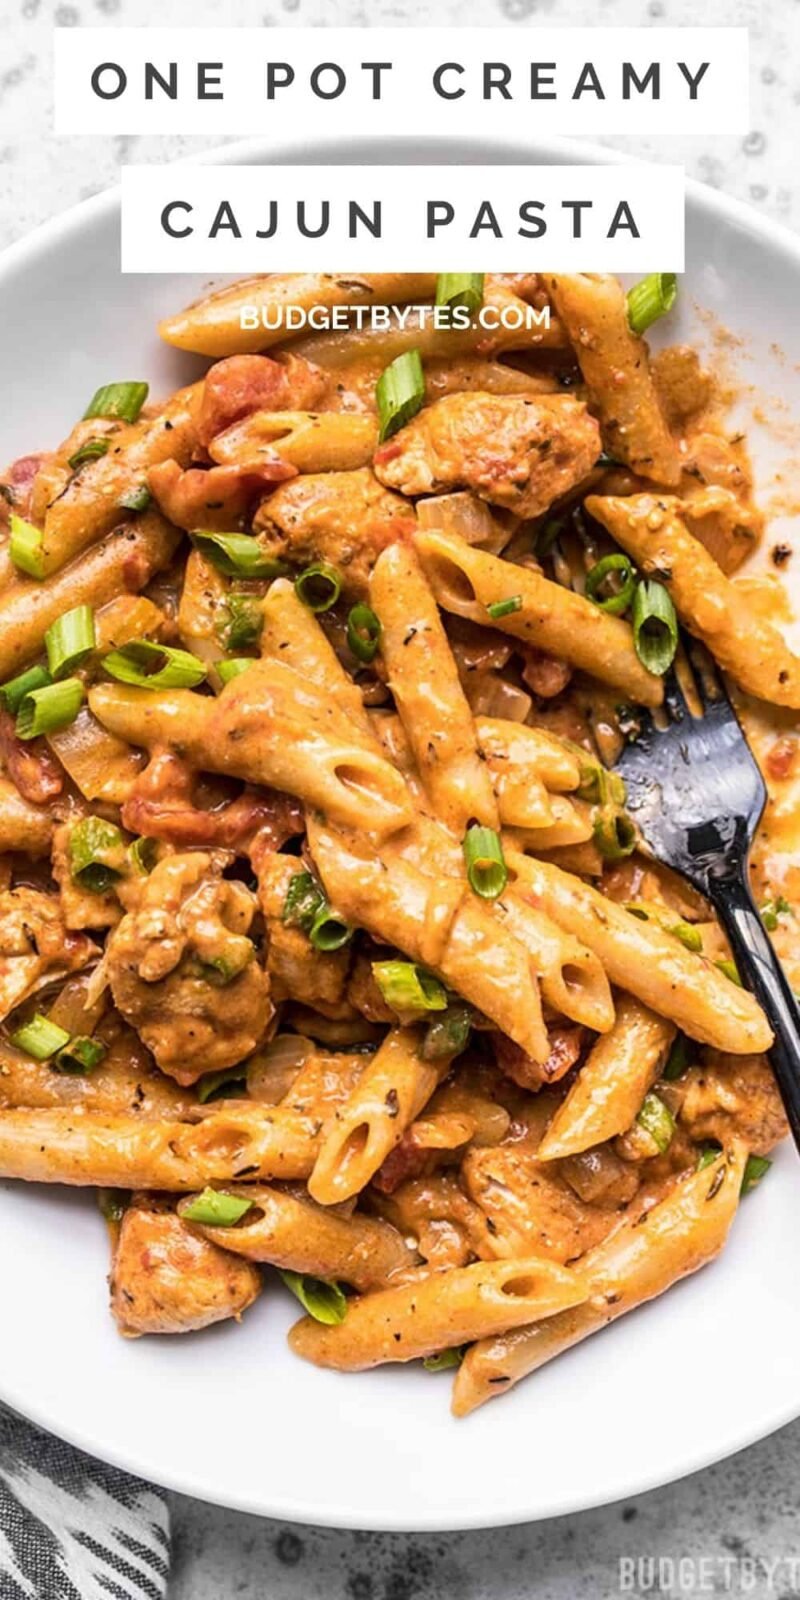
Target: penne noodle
(554, 619)
(571, 976)
(324, 441)
(571, 823)
(120, 1151)
(642, 958)
(529, 752)
(612, 1083)
(427, 691)
(268, 726)
(292, 634)
(652, 530)
(288, 1230)
(450, 1308)
(213, 325)
(126, 1081)
(643, 1256)
(395, 1086)
(614, 363)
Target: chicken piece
(447, 1228)
(733, 1097)
(36, 947)
(530, 1209)
(214, 498)
(344, 518)
(299, 972)
(515, 451)
(166, 1279)
(242, 384)
(182, 970)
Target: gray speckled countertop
(734, 1527)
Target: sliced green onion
(122, 400)
(708, 1154)
(246, 621)
(730, 970)
(460, 289)
(650, 299)
(47, 709)
(226, 670)
(238, 555)
(92, 450)
(657, 1120)
(96, 854)
(214, 1209)
(113, 1203)
(486, 868)
(221, 970)
(504, 608)
(448, 1034)
(771, 911)
(547, 535)
(689, 936)
(143, 854)
(318, 586)
(154, 666)
(363, 632)
(209, 1085)
(80, 1056)
(40, 1038)
(14, 692)
(136, 499)
(329, 932)
(754, 1170)
(399, 393)
(25, 546)
(70, 641)
(613, 833)
(655, 627)
(325, 1302)
(677, 1060)
(597, 783)
(304, 902)
(405, 986)
(619, 600)
(444, 1359)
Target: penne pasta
(292, 634)
(395, 1086)
(571, 975)
(612, 1083)
(325, 441)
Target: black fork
(697, 796)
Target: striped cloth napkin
(73, 1529)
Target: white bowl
(229, 1415)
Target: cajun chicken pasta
(329, 954)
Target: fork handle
(762, 972)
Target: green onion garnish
(405, 986)
(47, 709)
(154, 666)
(445, 1359)
(689, 936)
(143, 854)
(677, 1060)
(13, 692)
(304, 902)
(243, 622)
(70, 641)
(40, 1038)
(486, 867)
(614, 833)
(460, 289)
(755, 1168)
(329, 932)
(657, 1120)
(92, 450)
(771, 911)
(650, 299)
(730, 970)
(209, 1086)
(619, 600)
(214, 1209)
(121, 400)
(136, 499)
(363, 632)
(448, 1034)
(399, 393)
(707, 1155)
(655, 627)
(597, 783)
(238, 555)
(504, 608)
(96, 854)
(25, 546)
(80, 1056)
(318, 586)
(323, 1301)
(113, 1203)
(227, 670)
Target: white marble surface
(736, 1524)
